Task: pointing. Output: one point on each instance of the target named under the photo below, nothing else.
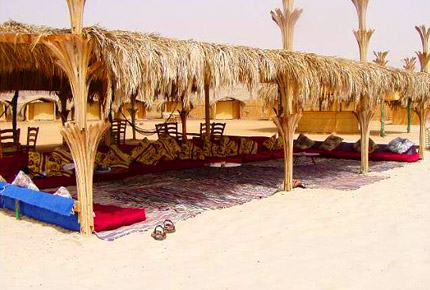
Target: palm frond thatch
(152, 66)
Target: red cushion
(390, 156)
(110, 217)
(10, 165)
(54, 182)
(260, 156)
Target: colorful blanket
(180, 195)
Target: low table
(299, 155)
(224, 164)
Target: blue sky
(324, 28)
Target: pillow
(372, 146)
(2, 179)
(63, 192)
(151, 155)
(400, 145)
(331, 143)
(36, 161)
(190, 151)
(140, 148)
(303, 142)
(207, 146)
(230, 147)
(23, 180)
(170, 146)
(64, 154)
(247, 146)
(279, 145)
(115, 158)
(47, 165)
(270, 143)
(100, 158)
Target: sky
(325, 26)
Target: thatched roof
(152, 65)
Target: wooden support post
(287, 124)
(132, 112)
(423, 109)
(365, 115)
(423, 112)
(409, 115)
(207, 109)
(365, 111)
(83, 144)
(409, 66)
(15, 111)
(287, 119)
(286, 20)
(183, 114)
(73, 56)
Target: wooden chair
(9, 141)
(170, 129)
(203, 130)
(119, 131)
(217, 130)
(32, 134)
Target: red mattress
(110, 217)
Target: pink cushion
(389, 156)
(109, 217)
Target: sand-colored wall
(41, 111)
(227, 110)
(328, 122)
(400, 117)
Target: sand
(376, 237)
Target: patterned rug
(179, 195)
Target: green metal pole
(17, 210)
(382, 133)
(409, 115)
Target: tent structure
(120, 64)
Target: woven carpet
(179, 195)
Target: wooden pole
(132, 112)
(365, 110)
(287, 118)
(14, 104)
(381, 57)
(207, 109)
(423, 107)
(409, 66)
(73, 53)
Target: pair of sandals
(160, 231)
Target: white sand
(377, 237)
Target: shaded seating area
(119, 64)
(154, 157)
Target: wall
(41, 111)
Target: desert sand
(376, 237)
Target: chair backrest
(170, 129)
(119, 131)
(9, 139)
(217, 130)
(203, 130)
(32, 133)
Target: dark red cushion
(260, 156)
(110, 217)
(54, 182)
(390, 156)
